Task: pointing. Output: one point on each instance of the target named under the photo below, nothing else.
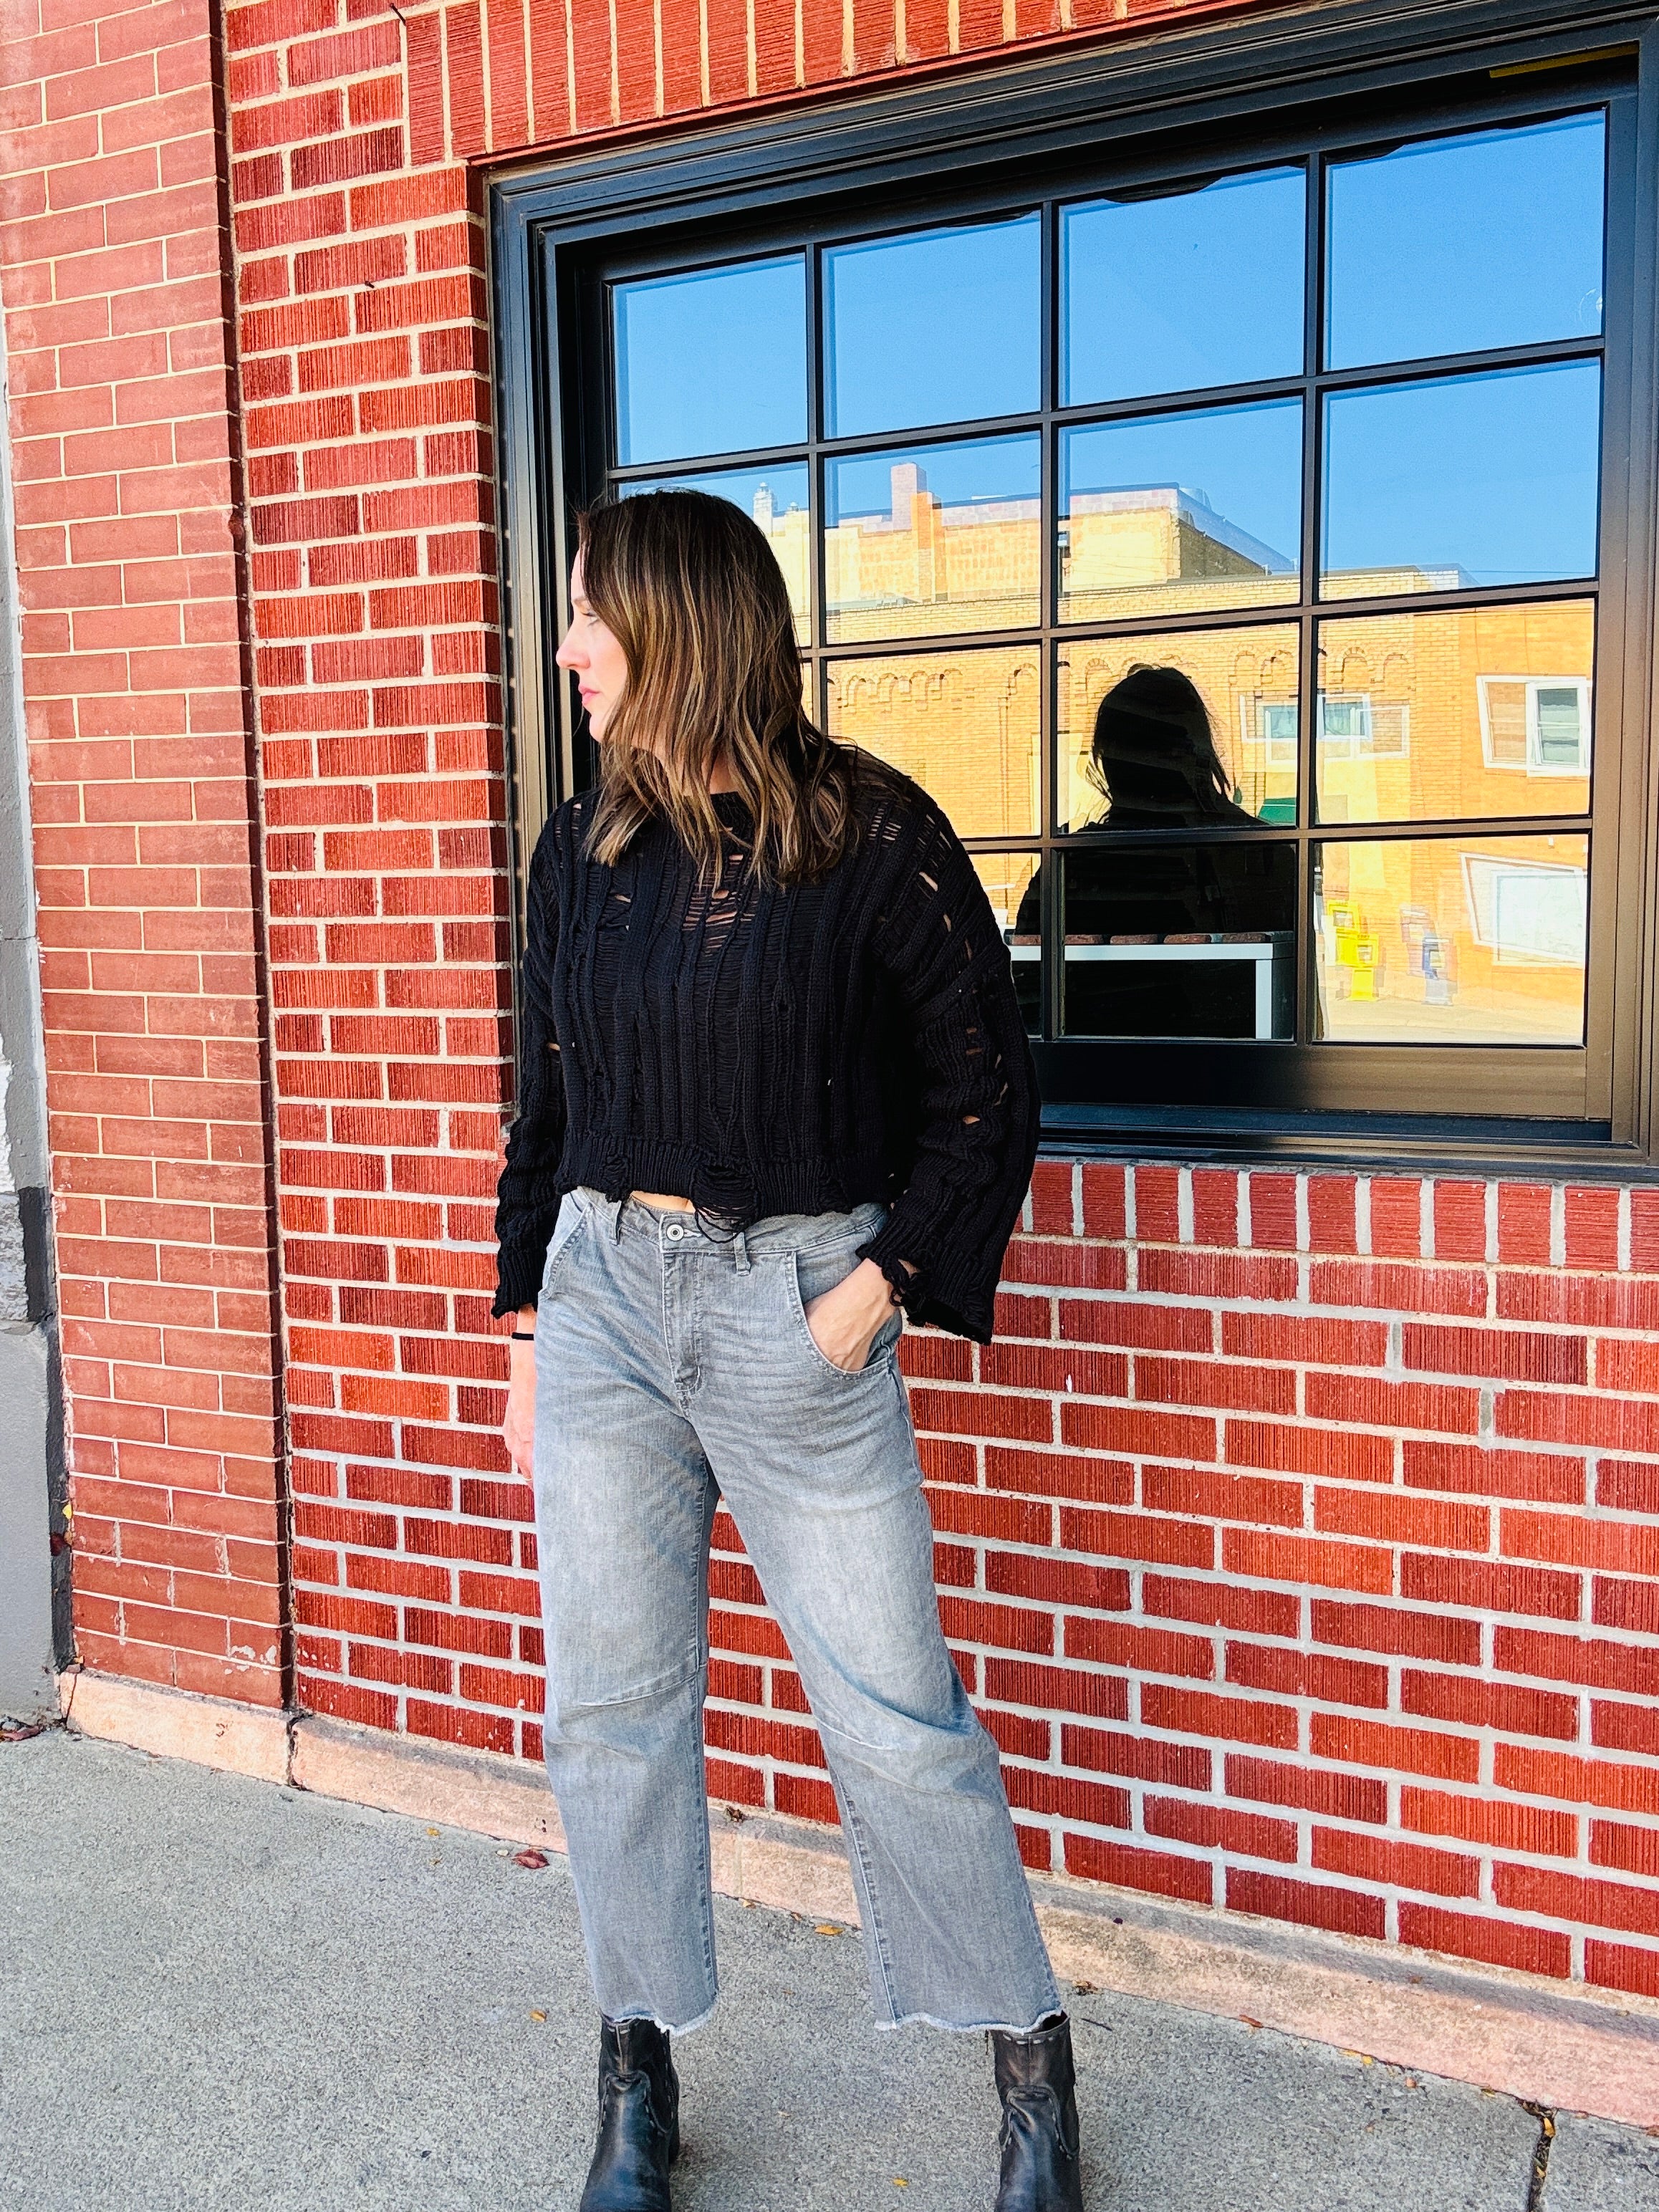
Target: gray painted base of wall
(28, 1679)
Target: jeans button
(675, 1232)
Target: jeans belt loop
(740, 1253)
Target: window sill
(1455, 1144)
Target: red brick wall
(1300, 1539)
(111, 274)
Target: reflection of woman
(1154, 755)
(1154, 761)
(774, 1088)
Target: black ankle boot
(638, 2120)
(1039, 2137)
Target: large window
(1227, 548)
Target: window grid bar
(1206, 399)
(1051, 969)
(1052, 635)
(1306, 982)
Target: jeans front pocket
(573, 1218)
(808, 1274)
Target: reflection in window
(1151, 731)
(1453, 940)
(1427, 256)
(1179, 730)
(777, 498)
(931, 539)
(1463, 480)
(1351, 728)
(712, 362)
(936, 327)
(964, 725)
(1173, 291)
(1180, 940)
(1008, 878)
(1538, 724)
(1472, 711)
(1179, 513)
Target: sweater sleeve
(942, 1247)
(527, 1195)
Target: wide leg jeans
(675, 1368)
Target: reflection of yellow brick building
(1442, 728)
(965, 725)
(789, 533)
(1447, 717)
(1466, 939)
(922, 567)
(1423, 717)
(1159, 550)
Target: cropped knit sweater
(761, 1050)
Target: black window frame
(1218, 97)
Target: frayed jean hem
(969, 2027)
(668, 2026)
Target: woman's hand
(519, 1429)
(844, 1322)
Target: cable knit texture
(761, 1050)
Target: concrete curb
(1562, 2045)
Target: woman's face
(594, 657)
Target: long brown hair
(689, 588)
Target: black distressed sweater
(761, 1050)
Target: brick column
(121, 415)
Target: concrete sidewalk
(219, 1995)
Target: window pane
(713, 362)
(1463, 480)
(778, 500)
(1430, 717)
(1180, 940)
(1180, 290)
(964, 725)
(1008, 878)
(1468, 940)
(1177, 513)
(937, 326)
(933, 537)
(1196, 728)
(1456, 245)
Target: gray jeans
(673, 1368)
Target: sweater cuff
(928, 1295)
(519, 1283)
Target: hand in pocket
(845, 1321)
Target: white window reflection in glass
(1355, 728)
(1539, 724)
(1277, 721)
(1528, 914)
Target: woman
(774, 1092)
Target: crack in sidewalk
(1541, 2157)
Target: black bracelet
(524, 1336)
